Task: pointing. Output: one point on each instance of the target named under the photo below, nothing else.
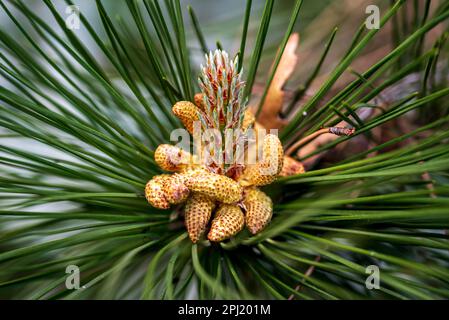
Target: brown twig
(306, 275)
(339, 131)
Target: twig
(339, 131)
(306, 275)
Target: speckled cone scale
(259, 210)
(198, 211)
(228, 221)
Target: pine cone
(259, 209)
(198, 211)
(187, 112)
(216, 186)
(266, 170)
(291, 167)
(175, 190)
(155, 193)
(228, 221)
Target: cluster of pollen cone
(219, 200)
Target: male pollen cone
(228, 221)
(266, 170)
(259, 209)
(217, 186)
(187, 112)
(291, 167)
(154, 192)
(171, 158)
(175, 190)
(198, 211)
(248, 119)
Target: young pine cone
(164, 190)
(216, 186)
(291, 167)
(171, 158)
(259, 209)
(198, 211)
(175, 190)
(228, 221)
(187, 112)
(248, 120)
(155, 193)
(266, 170)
